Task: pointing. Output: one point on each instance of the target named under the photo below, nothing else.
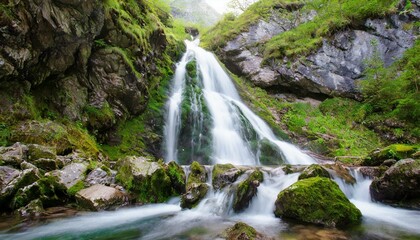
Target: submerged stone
(246, 190)
(399, 184)
(317, 200)
(100, 197)
(242, 231)
(314, 170)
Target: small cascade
(207, 122)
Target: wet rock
(25, 195)
(372, 171)
(13, 155)
(100, 197)
(100, 176)
(342, 172)
(314, 170)
(70, 175)
(196, 186)
(395, 151)
(146, 180)
(399, 184)
(317, 200)
(246, 190)
(224, 174)
(389, 162)
(242, 231)
(33, 209)
(177, 176)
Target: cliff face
(334, 67)
(90, 61)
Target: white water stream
(228, 114)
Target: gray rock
(99, 176)
(13, 155)
(100, 197)
(33, 209)
(333, 69)
(36, 152)
(70, 174)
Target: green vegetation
(75, 188)
(230, 26)
(332, 15)
(241, 231)
(100, 116)
(317, 200)
(246, 190)
(314, 170)
(394, 151)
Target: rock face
(100, 197)
(333, 69)
(196, 186)
(79, 60)
(246, 190)
(314, 170)
(317, 200)
(399, 184)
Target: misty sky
(218, 5)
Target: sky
(219, 5)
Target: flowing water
(214, 214)
(207, 121)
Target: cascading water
(207, 121)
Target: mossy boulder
(25, 195)
(314, 170)
(33, 209)
(395, 151)
(196, 186)
(399, 184)
(36, 152)
(246, 190)
(224, 174)
(242, 231)
(317, 200)
(177, 176)
(146, 180)
(100, 197)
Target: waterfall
(206, 120)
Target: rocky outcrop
(330, 71)
(314, 170)
(79, 60)
(399, 184)
(100, 197)
(392, 152)
(317, 200)
(246, 190)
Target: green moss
(221, 169)
(395, 151)
(317, 200)
(197, 174)
(4, 134)
(98, 117)
(192, 69)
(177, 176)
(241, 231)
(75, 188)
(314, 170)
(246, 190)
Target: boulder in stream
(224, 174)
(314, 170)
(399, 184)
(317, 200)
(196, 186)
(246, 190)
(242, 231)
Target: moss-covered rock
(196, 186)
(25, 195)
(33, 209)
(314, 170)
(317, 200)
(36, 152)
(241, 231)
(246, 190)
(146, 180)
(177, 176)
(224, 174)
(70, 178)
(399, 184)
(395, 151)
